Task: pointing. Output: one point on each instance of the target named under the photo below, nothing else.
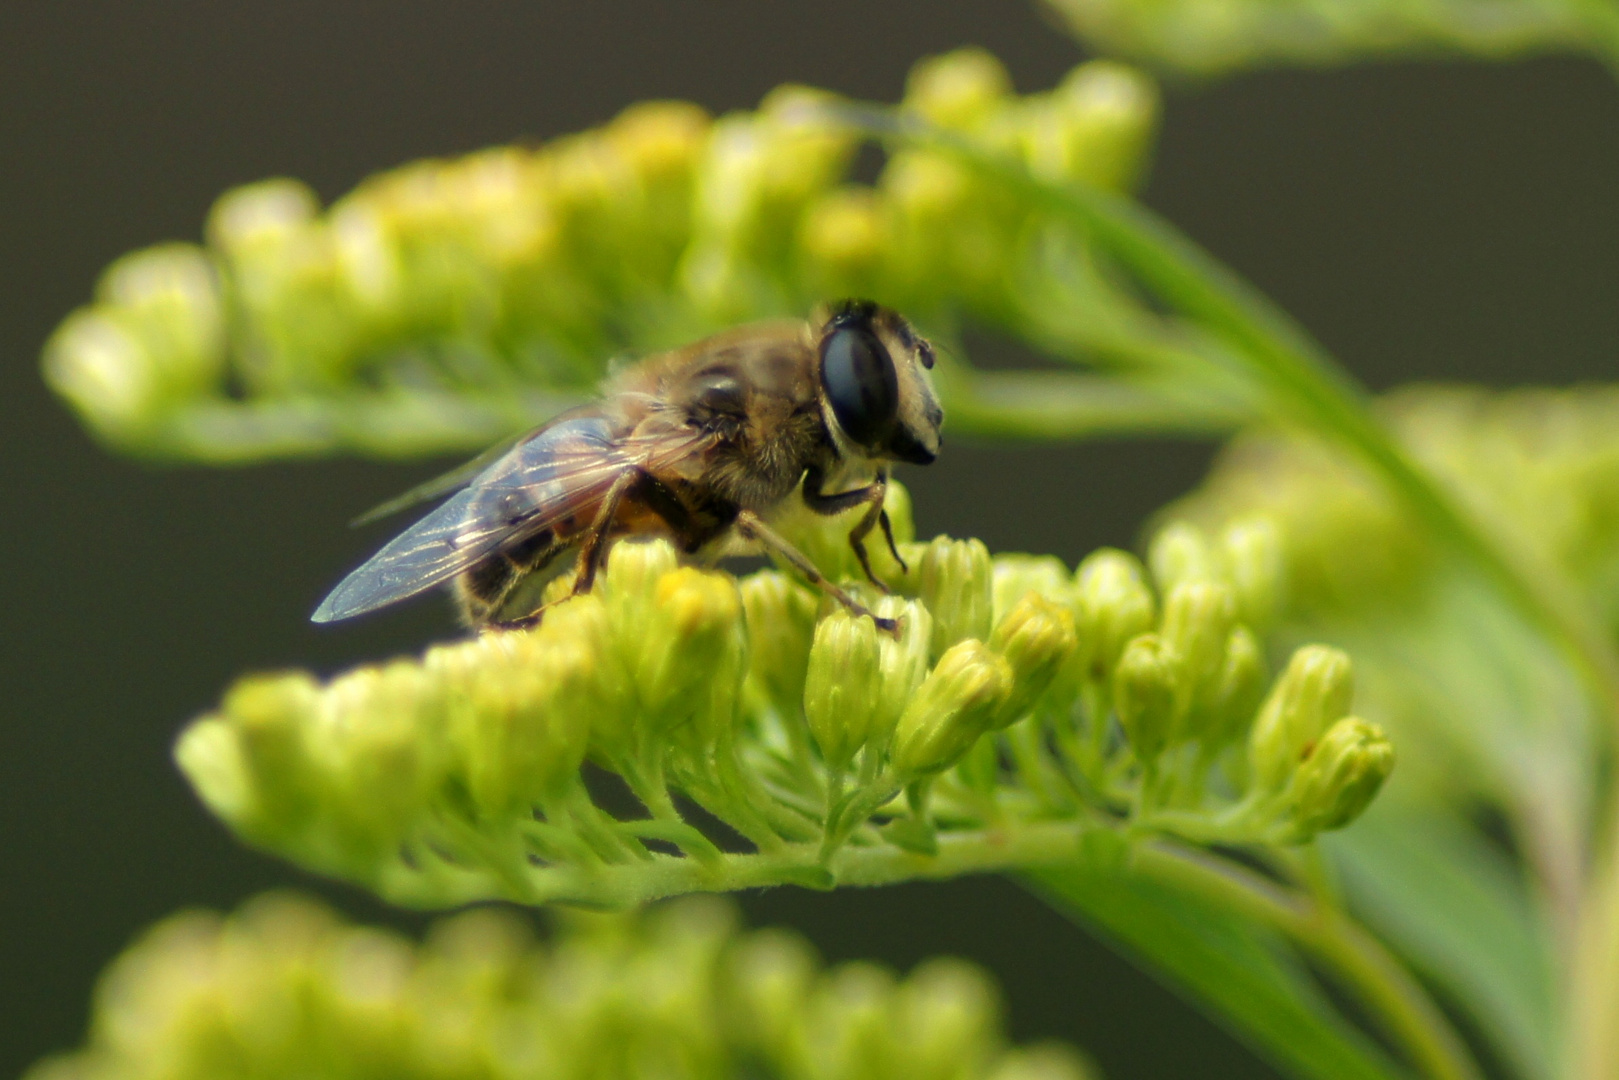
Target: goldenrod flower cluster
(282, 988)
(1019, 706)
(447, 303)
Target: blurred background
(1427, 221)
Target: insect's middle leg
(594, 550)
(753, 527)
(872, 495)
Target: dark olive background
(1426, 221)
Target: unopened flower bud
(958, 587)
(1036, 638)
(904, 660)
(1146, 688)
(1340, 777)
(843, 686)
(1114, 606)
(961, 89)
(1179, 553)
(1108, 115)
(781, 623)
(946, 1014)
(1017, 575)
(1253, 558)
(956, 704)
(1044, 1061)
(1198, 618)
(687, 658)
(1236, 694)
(1315, 690)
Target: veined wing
(557, 474)
(458, 477)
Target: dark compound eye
(860, 383)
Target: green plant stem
(1357, 959)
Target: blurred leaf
(1242, 974)
(1457, 907)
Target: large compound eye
(859, 378)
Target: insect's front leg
(872, 495)
(753, 527)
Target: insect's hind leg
(753, 527)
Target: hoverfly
(697, 445)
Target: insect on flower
(698, 444)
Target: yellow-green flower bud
(1107, 115)
(845, 239)
(956, 704)
(1146, 688)
(1340, 777)
(523, 705)
(688, 658)
(1315, 690)
(904, 660)
(1198, 618)
(1114, 606)
(962, 89)
(1180, 553)
(957, 585)
(772, 973)
(266, 716)
(843, 686)
(1016, 575)
(781, 623)
(1036, 638)
(375, 737)
(1236, 694)
(946, 1015)
(1253, 558)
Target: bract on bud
(904, 661)
(842, 691)
(1146, 687)
(956, 704)
(1114, 606)
(1315, 690)
(1037, 639)
(957, 585)
(1340, 777)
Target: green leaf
(1456, 908)
(1241, 973)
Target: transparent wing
(556, 475)
(443, 484)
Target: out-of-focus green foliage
(1494, 727)
(1216, 36)
(981, 737)
(284, 989)
(447, 303)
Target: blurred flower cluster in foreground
(284, 989)
(1021, 707)
(447, 303)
